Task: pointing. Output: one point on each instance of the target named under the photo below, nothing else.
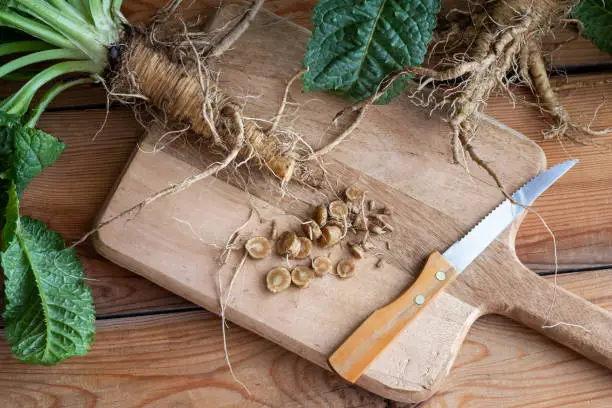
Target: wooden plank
(504, 364)
(578, 52)
(82, 96)
(68, 195)
(577, 207)
(178, 359)
(156, 246)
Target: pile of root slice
(349, 223)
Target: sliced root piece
(258, 247)
(288, 244)
(301, 276)
(305, 248)
(345, 268)
(353, 193)
(338, 210)
(322, 265)
(331, 234)
(312, 230)
(278, 279)
(357, 251)
(320, 215)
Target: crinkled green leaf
(596, 16)
(24, 153)
(49, 310)
(33, 150)
(11, 215)
(355, 44)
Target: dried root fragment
(357, 251)
(380, 263)
(320, 215)
(301, 276)
(305, 248)
(371, 205)
(353, 193)
(278, 279)
(331, 234)
(338, 209)
(345, 268)
(288, 244)
(322, 265)
(258, 247)
(376, 229)
(312, 230)
(360, 223)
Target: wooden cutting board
(401, 156)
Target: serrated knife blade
(464, 251)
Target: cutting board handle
(558, 314)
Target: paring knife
(362, 347)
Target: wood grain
(579, 52)
(156, 246)
(383, 326)
(68, 195)
(118, 291)
(577, 208)
(178, 359)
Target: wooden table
(153, 348)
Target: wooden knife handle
(352, 358)
(559, 314)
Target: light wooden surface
(372, 337)
(153, 244)
(498, 365)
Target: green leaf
(355, 44)
(11, 214)
(596, 16)
(49, 310)
(24, 151)
(33, 151)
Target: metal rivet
(419, 299)
(440, 276)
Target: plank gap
(576, 270)
(151, 313)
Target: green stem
(44, 102)
(19, 102)
(19, 47)
(34, 28)
(41, 56)
(80, 34)
(100, 17)
(83, 8)
(106, 6)
(66, 7)
(117, 4)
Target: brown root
(506, 37)
(189, 97)
(563, 125)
